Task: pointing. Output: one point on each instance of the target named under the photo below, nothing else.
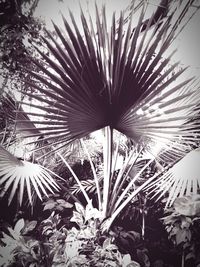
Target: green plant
(19, 249)
(57, 205)
(180, 224)
(82, 244)
(131, 242)
(89, 241)
(117, 79)
(53, 239)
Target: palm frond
(15, 114)
(107, 77)
(183, 179)
(19, 174)
(88, 185)
(74, 152)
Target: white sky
(187, 43)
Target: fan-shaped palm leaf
(182, 179)
(20, 174)
(108, 77)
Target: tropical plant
(18, 249)
(182, 225)
(50, 243)
(88, 246)
(18, 27)
(115, 78)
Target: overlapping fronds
(74, 152)
(122, 77)
(114, 76)
(14, 114)
(180, 180)
(20, 174)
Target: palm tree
(114, 78)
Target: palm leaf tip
(15, 175)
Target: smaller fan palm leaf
(19, 174)
(183, 179)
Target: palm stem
(131, 184)
(107, 159)
(116, 190)
(122, 170)
(124, 178)
(115, 156)
(94, 174)
(143, 224)
(143, 217)
(128, 199)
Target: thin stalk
(94, 174)
(75, 177)
(126, 201)
(107, 159)
(117, 188)
(122, 170)
(143, 224)
(116, 155)
(183, 259)
(143, 218)
(113, 169)
(131, 184)
(127, 173)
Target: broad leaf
(188, 206)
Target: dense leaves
(118, 77)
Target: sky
(187, 42)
